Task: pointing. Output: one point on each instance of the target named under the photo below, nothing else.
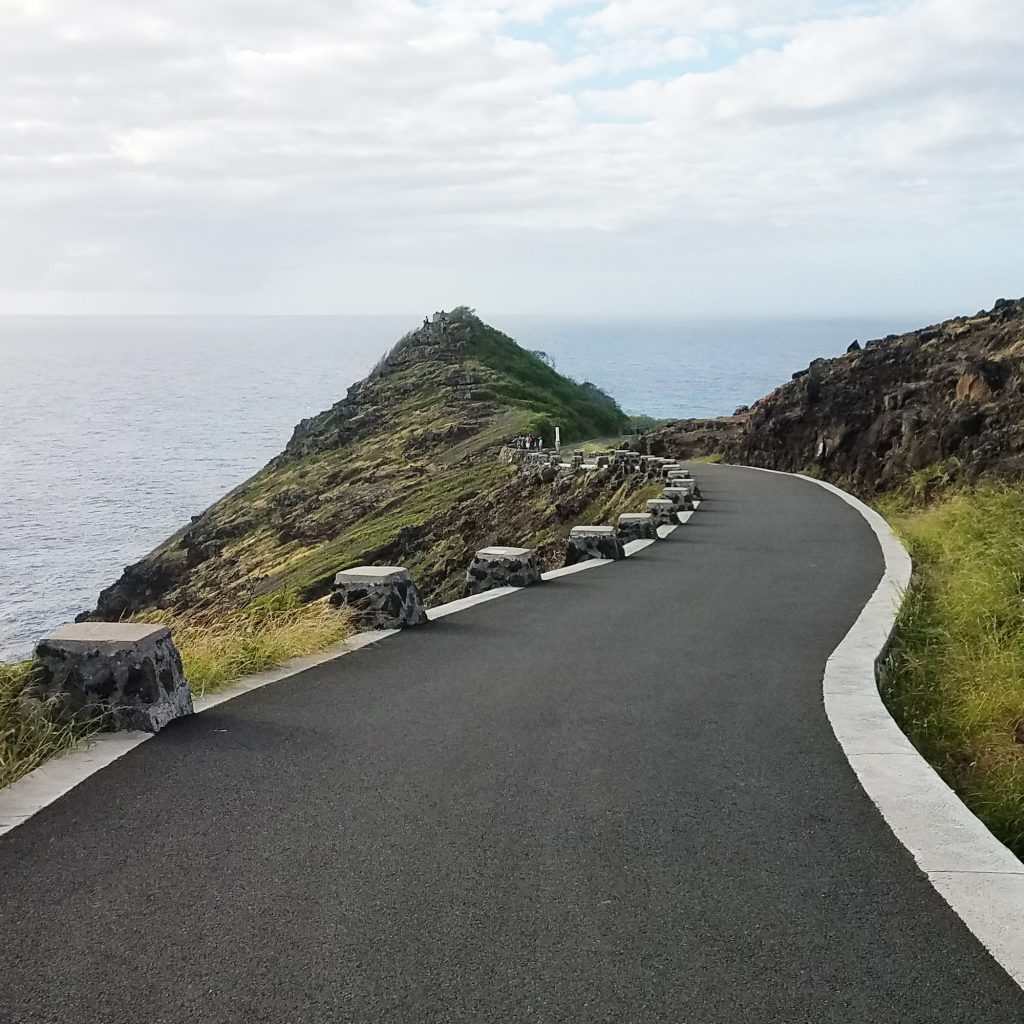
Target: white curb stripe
(980, 879)
(463, 603)
(42, 786)
(39, 788)
(571, 570)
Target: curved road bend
(613, 798)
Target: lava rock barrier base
(127, 673)
(636, 526)
(589, 542)
(379, 597)
(501, 567)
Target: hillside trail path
(612, 798)
(571, 448)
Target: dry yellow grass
(28, 734)
(214, 652)
(219, 650)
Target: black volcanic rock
(950, 396)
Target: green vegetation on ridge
(403, 469)
(523, 380)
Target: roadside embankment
(954, 679)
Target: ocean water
(113, 431)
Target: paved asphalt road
(614, 798)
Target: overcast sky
(664, 156)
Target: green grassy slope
(521, 380)
(401, 470)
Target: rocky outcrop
(364, 409)
(695, 439)
(948, 398)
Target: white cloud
(235, 151)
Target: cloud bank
(550, 155)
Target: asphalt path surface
(614, 797)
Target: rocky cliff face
(403, 470)
(948, 399)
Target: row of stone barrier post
(130, 674)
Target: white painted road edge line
(571, 570)
(974, 873)
(42, 786)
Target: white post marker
(558, 439)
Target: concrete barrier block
(379, 597)
(636, 526)
(683, 483)
(587, 542)
(664, 512)
(681, 498)
(129, 671)
(502, 567)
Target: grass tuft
(268, 633)
(29, 735)
(954, 679)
